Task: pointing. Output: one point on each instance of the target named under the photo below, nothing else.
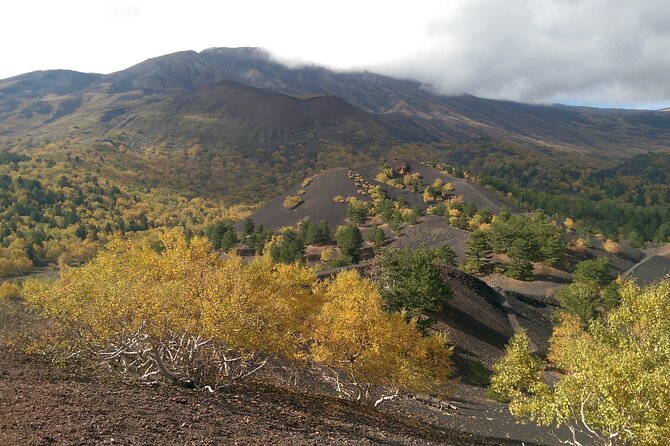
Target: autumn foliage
(182, 314)
(613, 385)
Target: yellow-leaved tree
(362, 347)
(177, 312)
(181, 314)
(614, 381)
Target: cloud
(125, 13)
(599, 51)
(604, 52)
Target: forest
(61, 201)
(622, 199)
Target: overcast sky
(599, 52)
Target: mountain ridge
(44, 103)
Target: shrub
(183, 315)
(9, 290)
(292, 201)
(580, 245)
(611, 247)
(328, 254)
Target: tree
(220, 233)
(385, 208)
(312, 234)
(614, 385)
(580, 299)
(308, 232)
(360, 345)
(592, 271)
(287, 248)
(518, 371)
(357, 211)
(377, 236)
(323, 235)
(228, 240)
(395, 222)
(350, 240)
(444, 255)
(542, 239)
(410, 280)
(520, 267)
(81, 232)
(478, 251)
(259, 238)
(247, 227)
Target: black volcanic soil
(652, 268)
(318, 202)
(432, 231)
(272, 109)
(44, 405)
(474, 318)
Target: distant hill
(242, 98)
(319, 204)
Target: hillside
(318, 198)
(57, 104)
(99, 412)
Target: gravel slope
(43, 405)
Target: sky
(590, 52)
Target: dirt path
(663, 251)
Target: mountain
(242, 98)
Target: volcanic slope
(654, 267)
(93, 412)
(478, 323)
(319, 204)
(223, 115)
(58, 104)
